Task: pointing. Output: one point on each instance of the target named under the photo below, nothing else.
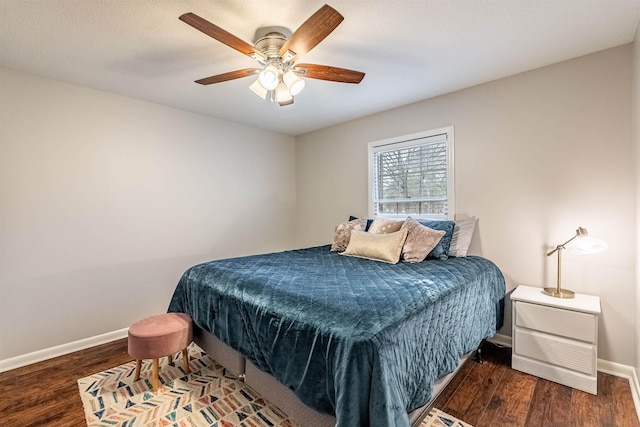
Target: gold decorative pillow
(385, 226)
(343, 233)
(420, 240)
(378, 247)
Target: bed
(358, 342)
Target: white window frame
(408, 141)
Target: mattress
(359, 339)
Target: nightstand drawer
(558, 351)
(566, 323)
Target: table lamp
(584, 244)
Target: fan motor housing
(269, 40)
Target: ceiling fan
(279, 78)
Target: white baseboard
(60, 350)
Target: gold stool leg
(138, 366)
(154, 375)
(185, 359)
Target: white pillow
(462, 233)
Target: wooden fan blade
(228, 76)
(325, 72)
(312, 31)
(221, 35)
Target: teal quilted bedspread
(360, 339)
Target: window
(412, 175)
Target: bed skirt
(279, 395)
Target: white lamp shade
(269, 77)
(294, 83)
(586, 245)
(258, 89)
(283, 96)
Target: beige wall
(636, 139)
(106, 200)
(537, 155)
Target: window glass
(412, 176)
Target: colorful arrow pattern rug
(207, 397)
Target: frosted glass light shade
(586, 245)
(258, 89)
(294, 83)
(283, 96)
(269, 77)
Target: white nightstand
(555, 338)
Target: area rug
(207, 397)
(437, 418)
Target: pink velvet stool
(158, 336)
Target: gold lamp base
(559, 293)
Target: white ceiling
(409, 50)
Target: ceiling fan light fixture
(294, 83)
(277, 49)
(258, 89)
(269, 77)
(283, 96)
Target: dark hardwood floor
(487, 394)
(493, 394)
(46, 393)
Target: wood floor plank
(450, 390)
(623, 408)
(605, 400)
(550, 405)
(46, 393)
(459, 386)
(510, 404)
(476, 391)
(584, 410)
